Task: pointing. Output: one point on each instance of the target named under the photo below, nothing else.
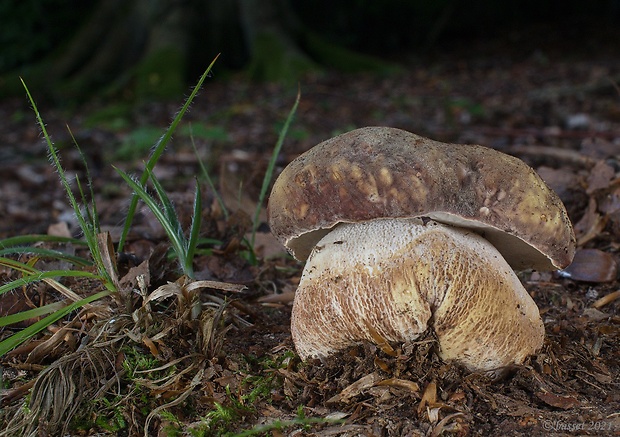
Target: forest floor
(235, 370)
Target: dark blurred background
(530, 78)
(72, 49)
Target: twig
(554, 92)
(543, 132)
(606, 299)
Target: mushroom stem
(402, 277)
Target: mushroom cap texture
(380, 172)
(399, 277)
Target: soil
(558, 112)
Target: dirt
(558, 112)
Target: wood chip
(216, 285)
(606, 299)
(151, 345)
(428, 398)
(286, 297)
(356, 388)
(380, 341)
(60, 229)
(108, 256)
(401, 383)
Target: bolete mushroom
(402, 234)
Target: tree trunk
(161, 72)
(154, 49)
(141, 41)
(270, 28)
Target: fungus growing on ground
(402, 234)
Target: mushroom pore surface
(401, 277)
(379, 172)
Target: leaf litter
(168, 355)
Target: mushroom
(404, 234)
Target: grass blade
(31, 314)
(47, 253)
(17, 265)
(194, 230)
(43, 275)
(271, 166)
(93, 216)
(155, 208)
(23, 335)
(166, 215)
(157, 152)
(206, 175)
(167, 206)
(88, 224)
(53, 154)
(31, 239)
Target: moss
(115, 116)
(340, 58)
(161, 74)
(276, 60)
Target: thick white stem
(401, 277)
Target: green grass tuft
(158, 150)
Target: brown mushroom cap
(381, 172)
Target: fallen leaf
(108, 255)
(590, 225)
(561, 180)
(598, 148)
(447, 425)
(563, 402)
(130, 279)
(267, 246)
(600, 177)
(610, 202)
(13, 302)
(591, 265)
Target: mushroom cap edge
(380, 172)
